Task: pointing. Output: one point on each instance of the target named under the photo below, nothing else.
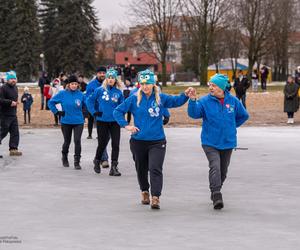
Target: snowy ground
(46, 206)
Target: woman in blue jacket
(148, 142)
(71, 101)
(222, 113)
(102, 104)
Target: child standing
(291, 99)
(27, 101)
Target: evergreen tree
(27, 39)
(20, 38)
(7, 55)
(69, 35)
(48, 13)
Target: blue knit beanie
(111, 73)
(220, 80)
(11, 75)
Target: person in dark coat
(8, 113)
(42, 81)
(264, 72)
(127, 72)
(241, 84)
(291, 99)
(27, 101)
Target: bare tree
(157, 19)
(202, 18)
(283, 16)
(256, 20)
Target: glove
(166, 120)
(97, 113)
(60, 113)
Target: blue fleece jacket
(148, 115)
(219, 120)
(165, 111)
(72, 103)
(105, 101)
(92, 85)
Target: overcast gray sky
(111, 12)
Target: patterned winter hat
(111, 73)
(11, 75)
(146, 77)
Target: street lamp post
(43, 61)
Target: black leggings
(149, 156)
(105, 130)
(67, 133)
(90, 124)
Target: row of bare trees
(216, 29)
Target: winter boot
(104, 164)
(64, 159)
(15, 152)
(155, 202)
(114, 171)
(217, 200)
(97, 168)
(145, 198)
(77, 162)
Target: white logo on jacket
(154, 110)
(77, 102)
(105, 96)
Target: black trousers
(219, 161)
(149, 157)
(264, 84)
(57, 119)
(105, 131)
(128, 117)
(9, 124)
(67, 130)
(290, 114)
(90, 124)
(27, 113)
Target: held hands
(132, 129)
(191, 93)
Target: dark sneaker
(97, 168)
(218, 200)
(89, 137)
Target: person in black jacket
(42, 81)
(241, 84)
(9, 120)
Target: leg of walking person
(215, 182)
(14, 136)
(77, 141)
(103, 138)
(67, 134)
(225, 156)
(156, 155)
(115, 133)
(90, 125)
(139, 150)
